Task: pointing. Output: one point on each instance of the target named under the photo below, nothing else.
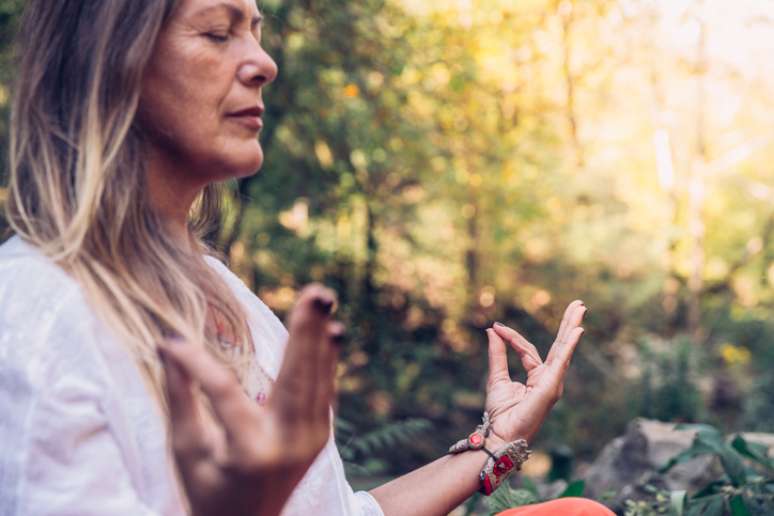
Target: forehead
(247, 8)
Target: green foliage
(661, 503)
(746, 487)
(574, 489)
(668, 389)
(507, 496)
(361, 453)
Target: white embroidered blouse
(80, 434)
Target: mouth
(250, 117)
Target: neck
(172, 192)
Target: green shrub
(745, 488)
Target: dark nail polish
(323, 305)
(339, 339)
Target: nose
(259, 70)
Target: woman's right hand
(252, 459)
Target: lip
(249, 117)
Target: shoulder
(30, 282)
(47, 328)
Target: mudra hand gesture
(518, 409)
(252, 461)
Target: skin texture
(209, 64)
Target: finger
(528, 353)
(327, 369)
(564, 356)
(230, 405)
(568, 314)
(297, 381)
(186, 430)
(498, 358)
(572, 319)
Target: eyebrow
(235, 13)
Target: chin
(247, 164)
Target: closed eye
(217, 37)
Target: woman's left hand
(519, 409)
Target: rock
(760, 438)
(629, 463)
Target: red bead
(487, 485)
(475, 439)
(503, 466)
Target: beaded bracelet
(501, 463)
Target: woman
(122, 337)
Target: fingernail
(338, 339)
(323, 305)
(497, 323)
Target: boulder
(629, 463)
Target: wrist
(494, 442)
(504, 456)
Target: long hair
(77, 180)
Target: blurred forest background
(446, 164)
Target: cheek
(181, 100)
(184, 105)
(182, 97)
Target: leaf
(575, 489)
(709, 440)
(506, 498)
(677, 502)
(700, 428)
(709, 489)
(528, 484)
(499, 500)
(753, 451)
(738, 507)
(697, 449)
(379, 441)
(733, 466)
(708, 506)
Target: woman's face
(201, 100)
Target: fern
(507, 497)
(371, 444)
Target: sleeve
(366, 505)
(58, 455)
(360, 503)
(69, 463)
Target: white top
(80, 434)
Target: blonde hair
(77, 180)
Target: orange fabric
(561, 507)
